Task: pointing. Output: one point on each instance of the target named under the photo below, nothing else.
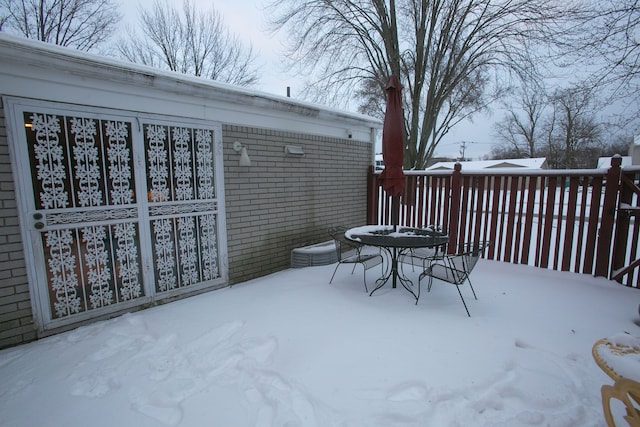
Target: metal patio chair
(454, 269)
(422, 257)
(350, 252)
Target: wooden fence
(582, 221)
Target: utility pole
(463, 147)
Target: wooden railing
(569, 220)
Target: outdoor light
(293, 150)
(244, 157)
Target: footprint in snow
(407, 392)
(93, 385)
(166, 412)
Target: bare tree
(612, 39)
(191, 42)
(448, 53)
(80, 24)
(572, 128)
(607, 44)
(519, 131)
(4, 17)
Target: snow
(625, 341)
(386, 230)
(290, 350)
(512, 165)
(318, 248)
(622, 354)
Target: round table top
(396, 237)
(618, 356)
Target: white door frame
(146, 212)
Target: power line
(463, 147)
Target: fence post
(454, 208)
(621, 236)
(605, 234)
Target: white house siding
(278, 203)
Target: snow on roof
(534, 163)
(605, 162)
(22, 46)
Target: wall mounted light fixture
(293, 150)
(244, 157)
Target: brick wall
(16, 321)
(282, 202)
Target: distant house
(605, 162)
(534, 163)
(634, 150)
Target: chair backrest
(473, 252)
(463, 263)
(342, 243)
(471, 259)
(452, 269)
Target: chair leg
(626, 391)
(472, 290)
(422, 276)
(413, 267)
(334, 273)
(463, 303)
(608, 392)
(364, 274)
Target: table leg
(404, 280)
(394, 273)
(394, 266)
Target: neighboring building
(634, 150)
(605, 162)
(534, 163)
(121, 186)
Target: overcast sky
(247, 20)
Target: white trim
(35, 263)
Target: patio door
(117, 209)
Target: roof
(534, 163)
(38, 70)
(605, 162)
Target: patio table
(395, 241)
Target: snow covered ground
(291, 350)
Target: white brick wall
(282, 202)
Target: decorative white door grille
(106, 233)
(78, 163)
(182, 205)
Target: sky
(246, 18)
(291, 350)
